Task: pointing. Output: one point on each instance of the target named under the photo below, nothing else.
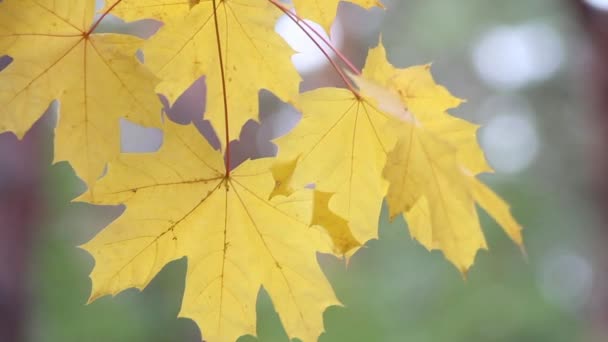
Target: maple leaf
(437, 196)
(179, 202)
(341, 147)
(429, 188)
(234, 45)
(324, 12)
(255, 225)
(96, 78)
(428, 101)
(432, 168)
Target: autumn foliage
(385, 136)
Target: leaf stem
(298, 21)
(224, 93)
(338, 53)
(327, 42)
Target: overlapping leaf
(95, 77)
(255, 225)
(432, 168)
(337, 227)
(180, 203)
(232, 43)
(428, 102)
(341, 147)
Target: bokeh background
(536, 77)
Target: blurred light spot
(137, 139)
(510, 138)
(601, 5)
(566, 280)
(309, 58)
(513, 57)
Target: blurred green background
(518, 64)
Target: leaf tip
(524, 253)
(95, 294)
(464, 272)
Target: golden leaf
(235, 47)
(341, 148)
(96, 78)
(179, 203)
(432, 168)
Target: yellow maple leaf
(341, 147)
(96, 78)
(429, 102)
(179, 202)
(431, 171)
(324, 11)
(437, 196)
(234, 45)
(423, 167)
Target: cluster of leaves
(386, 135)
